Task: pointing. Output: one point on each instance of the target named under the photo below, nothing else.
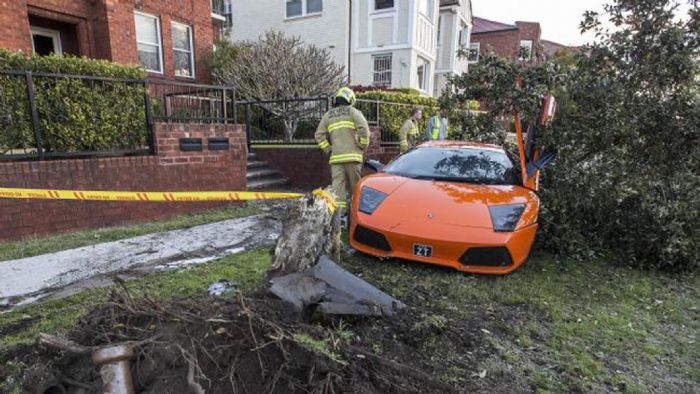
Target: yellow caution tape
(328, 198)
(86, 195)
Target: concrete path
(28, 280)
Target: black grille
(371, 238)
(487, 257)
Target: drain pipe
(115, 369)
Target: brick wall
(170, 170)
(307, 166)
(105, 29)
(506, 43)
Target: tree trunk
(290, 127)
(309, 231)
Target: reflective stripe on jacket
(437, 128)
(344, 134)
(408, 135)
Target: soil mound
(216, 345)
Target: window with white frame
(381, 70)
(148, 42)
(464, 35)
(45, 41)
(474, 51)
(296, 8)
(426, 7)
(183, 56)
(422, 74)
(383, 4)
(525, 50)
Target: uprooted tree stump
(303, 274)
(310, 229)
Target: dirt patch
(253, 345)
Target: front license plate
(422, 250)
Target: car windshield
(468, 165)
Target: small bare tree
(280, 67)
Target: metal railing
(47, 116)
(191, 103)
(284, 121)
(390, 117)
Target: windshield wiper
(459, 179)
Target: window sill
(154, 72)
(383, 11)
(301, 17)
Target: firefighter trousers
(345, 176)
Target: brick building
(521, 42)
(169, 38)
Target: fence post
(149, 119)
(248, 125)
(223, 105)
(34, 114)
(234, 106)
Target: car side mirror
(545, 158)
(374, 165)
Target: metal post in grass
(34, 113)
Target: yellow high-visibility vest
(437, 124)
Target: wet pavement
(55, 275)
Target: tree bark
(309, 231)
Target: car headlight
(370, 200)
(506, 217)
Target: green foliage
(626, 180)
(398, 108)
(74, 114)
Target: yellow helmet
(347, 94)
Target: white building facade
(392, 43)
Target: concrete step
(261, 173)
(256, 164)
(267, 183)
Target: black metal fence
(286, 121)
(47, 116)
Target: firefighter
(344, 134)
(408, 135)
(437, 127)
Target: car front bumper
(467, 249)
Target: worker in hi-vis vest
(437, 127)
(344, 134)
(408, 135)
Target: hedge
(392, 117)
(74, 114)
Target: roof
(551, 47)
(481, 25)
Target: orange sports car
(455, 204)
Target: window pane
(382, 70)
(314, 6)
(382, 4)
(43, 45)
(474, 53)
(183, 66)
(146, 29)
(293, 8)
(148, 57)
(181, 37)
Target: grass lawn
(553, 326)
(556, 325)
(37, 246)
(58, 316)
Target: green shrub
(74, 114)
(392, 117)
(625, 184)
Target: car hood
(450, 203)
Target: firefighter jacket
(408, 135)
(344, 134)
(437, 129)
